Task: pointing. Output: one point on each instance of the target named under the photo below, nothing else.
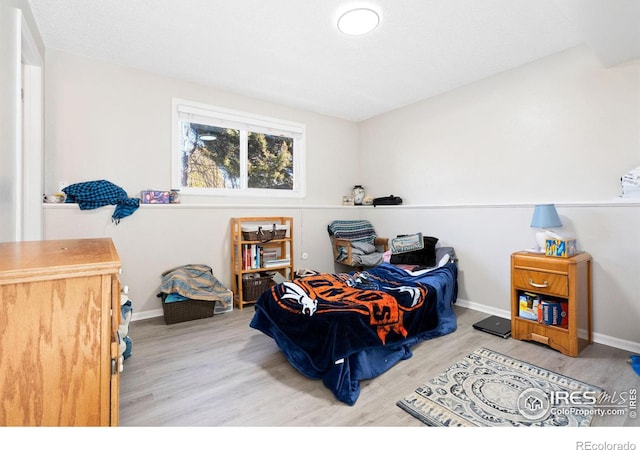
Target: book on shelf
(276, 262)
(256, 256)
(529, 306)
(251, 256)
(554, 313)
(269, 254)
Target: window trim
(223, 117)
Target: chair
(355, 243)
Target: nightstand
(566, 281)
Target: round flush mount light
(358, 21)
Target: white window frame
(227, 118)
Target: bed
(344, 328)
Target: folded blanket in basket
(196, 282)
(172, 298)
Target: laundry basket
(175, 312)
(252, 288)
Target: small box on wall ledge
(563, 248)
(155, 197)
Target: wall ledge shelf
(616, 203)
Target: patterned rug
(487, 388)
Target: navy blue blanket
(345, 328)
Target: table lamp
(545, 217)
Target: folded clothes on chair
(355, 243)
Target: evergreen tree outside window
(224, 152)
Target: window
(222, 152)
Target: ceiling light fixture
(358, 21)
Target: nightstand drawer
(542, 282)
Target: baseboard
(147, 314)
(603, 339)
(597, 337)
(483, 308)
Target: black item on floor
(495, 325)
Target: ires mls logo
(536, 404)
(574, 398)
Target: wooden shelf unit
(60, 314)
(283, 246)
(563, 279)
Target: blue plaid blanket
(352, 230)
(95, 194)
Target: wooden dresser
(59, 316)
(563, 280)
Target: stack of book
(257, 257)
(544, 310)
(250, 256)
(276, 262)
(269, 254)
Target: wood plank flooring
(219, 372)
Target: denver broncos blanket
(344, 328)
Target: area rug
(487, 388)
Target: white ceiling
(290, 52)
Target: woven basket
(265, 233)
(250, 235)
(280, 234)
(253, 287)
(175, 312)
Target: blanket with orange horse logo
(347, 327)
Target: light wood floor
(220, 372)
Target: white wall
(464, 162)
(112, 122)
(160, 237)
(10, 19)
(562, 129)
(21, 55)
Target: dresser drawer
(541, 282)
